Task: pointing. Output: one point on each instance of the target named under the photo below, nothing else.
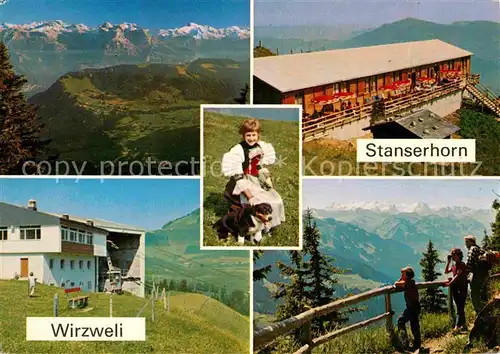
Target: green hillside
(135, 113)
(188, 328)
(220, 135)
(173, 253)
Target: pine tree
(320, 277)
(494, 240)
(293, 291)
(20, 128)
(486, 241)
(171, 285)
(260, 273)
(433, 300)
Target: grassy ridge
(220, 135)
(135, 112)
(182, 237)
(188, 328)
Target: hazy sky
(371, 12)
(145, 13)
(147, 203)
(288, 114)
(477, 194)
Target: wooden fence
(319, 127)
(267, 335)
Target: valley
(372, 242)
(118, 99)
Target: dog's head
(263, 212)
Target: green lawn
(190, 327)
(220, 135)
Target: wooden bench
(78, 301)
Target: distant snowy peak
(191, 30)
(206, 32)
(384, 206)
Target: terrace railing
(320, 127)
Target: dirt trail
(436, 345)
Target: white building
(68, 251)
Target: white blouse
(232, 161)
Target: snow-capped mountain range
(191, 30)
(388, 207)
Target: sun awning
(329, 99)
(397, 85)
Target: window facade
(80, 264)
(31, 232)
(4, 232)
(51, 263)
(62, 263)
(89, 264)
(72, 264)
(76, 235)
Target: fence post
(164, 298)
(56, 305)
(168, 304)
(153, 308)
(389, 320)
(306, 336)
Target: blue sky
(371, 12)
(147, 203)
(288, 114)
(151, 14)
(476, 194)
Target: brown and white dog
(248, 221)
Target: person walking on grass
(480, 273)
(412, 312)
(31, 284)
(458, 285)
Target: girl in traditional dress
(249, 180)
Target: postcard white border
(202, 174)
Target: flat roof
(427, 125)
(305, 70)
(109, 226)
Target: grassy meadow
(192, 326)
(220, 135)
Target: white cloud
(3, 2)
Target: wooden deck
(320, 127)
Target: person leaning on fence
(458, 285)
(480, 273)
(31, 285)
(412, 312)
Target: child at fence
(31, 284)
(458, 285)
(250, 181)
(412, 312)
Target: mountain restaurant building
(329, 81)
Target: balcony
(320, 127)
(77, 248)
